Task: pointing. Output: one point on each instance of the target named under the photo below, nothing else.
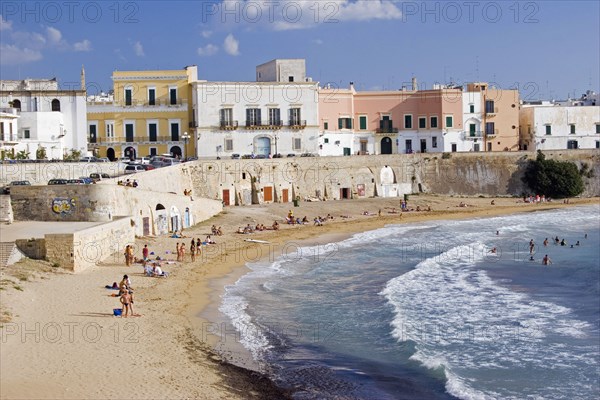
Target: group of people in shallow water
(558, 242)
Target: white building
(472, 137)
(255, 118)
(49, 118)
(549, 126)
(282, 70)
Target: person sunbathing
(275, 226)
(240, 230)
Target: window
(110, 129)
(548, 129)
(572, 129)
(173, 95)
(129, 129)
(490, 128)
(56, 105)
(345, 123)
(598, 144)
(326, 126)
(26, 134)
(153, 131)
(175, 131)
(1, 130)
(362, 122)
(326, 140)
(93, 133)
(253, 117)
(295, 117)
(128, 94)
(274, 117)
(422, 122)
(226, 116)
(449, 121)
(433, 122)
(408, 122)
(489, 107)
(471, 108)
(17, 104)
(472, 130)
(297, 144)
(153, 151)
(151, 96)
(290, 79)
(597, 128)
(228, 144)
(434, 142)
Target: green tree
(22, 155)
(553, 178)
(40, 153)
(74, 155)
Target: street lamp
(185, 137)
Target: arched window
(17, 104)
(55, 105)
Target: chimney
(414, 83)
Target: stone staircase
(9, 254)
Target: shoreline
(174, 344)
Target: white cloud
(318, 41)
(303, 14)
(206, 34)
(15, 55)
(231, 45)
(138, 49)
(4, 24)
(84, 45)
(208, 50)
(54, 35)
(30, 40)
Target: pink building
(388, 122)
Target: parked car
(103, 159)
(149, 167)
(87, 180)
(162, 161)
(88, 159)
(291, 155)
(141, 160)
(124, 160)
(6, 189)
(57, 181)
(99, 176)
(277, 155)
(133, 168)
(308, 155)
(260, 156)
(77, 181)
(235, 156)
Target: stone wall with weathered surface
(6, 212)
(32, 248)
(151, 212)
(41, 173)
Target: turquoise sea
(427, 311)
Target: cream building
(150, 114)
(548, 126)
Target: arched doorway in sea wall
(175, 219)
(160, 220)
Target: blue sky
(548, 49)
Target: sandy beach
(60, 340)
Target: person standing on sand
(127, 302)
(182, 252)
(177, 252)
(145, 252)
(193, 250)
(130, 255)
(126, 254)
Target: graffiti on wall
(61, 205)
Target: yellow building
(149, 113)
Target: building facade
(150, 114)
(256, 119)
(548, 126)
(51, 121)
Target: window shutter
(340, 123)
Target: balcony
(122, 140)
(472, 135)
(297, 124)
(228, 125)
(136, 106)
(256, 125)
(386, 130)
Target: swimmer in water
(546, 242)
(546, 260)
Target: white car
(133, 168)
(142, 160)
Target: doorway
(386, 145)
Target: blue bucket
(117, 312)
